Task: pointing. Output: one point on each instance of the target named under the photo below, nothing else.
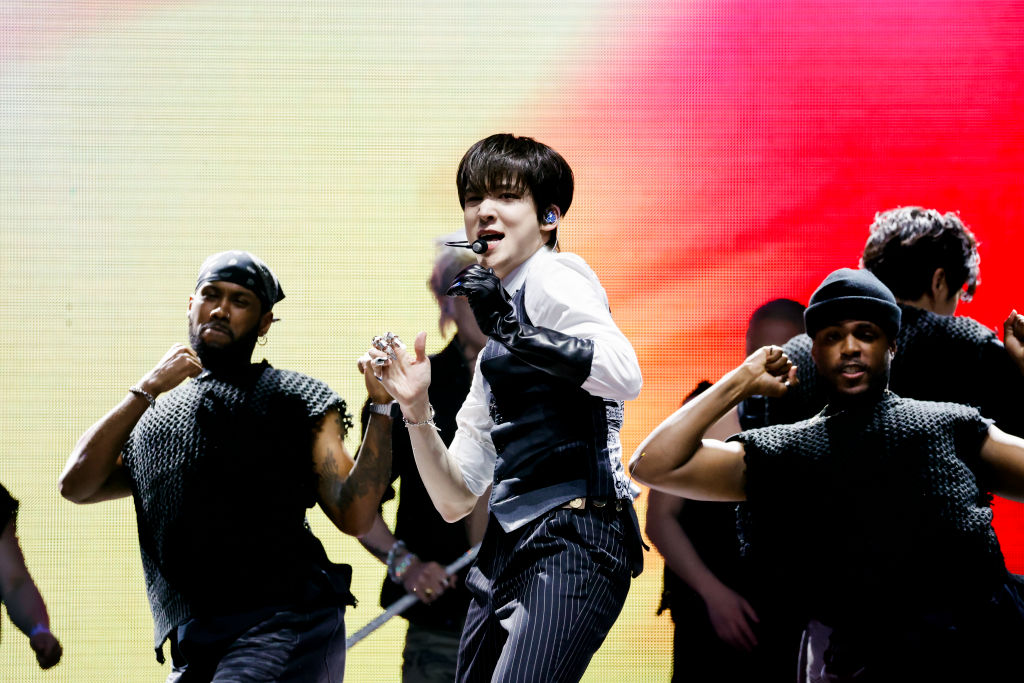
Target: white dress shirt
(564, 295)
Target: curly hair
(906, 245)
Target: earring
(550, 217)
(262, 341)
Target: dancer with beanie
(869, 521)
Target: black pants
(306, 646)
(545, 596)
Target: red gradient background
(759, 140)
(726, 152)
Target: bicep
(716, 472)
(1003, 457)
(572, 304)
(331, 460)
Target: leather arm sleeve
(553, 352)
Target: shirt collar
(515, 280)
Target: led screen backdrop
(725, 153)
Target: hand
(731, 616)
(406, 377)
(1013, 337)
(374, 387)
(427, 580)
(769, 372)
(47, 649)
(486, 296)
(178, 364)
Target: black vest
(222, 474)
(872, 513)
(552, 438)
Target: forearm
(676, 440)
(358, 497)
(680, 555)
(476, 521)
(25, 605)
(440, 472)
(17, 589)
(1003, 456)
(379, 539)
(89, 474)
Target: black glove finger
(462, 282)
(477, 283)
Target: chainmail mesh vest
(872, 511)
(222, 474)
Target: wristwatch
(386, 409)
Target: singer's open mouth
(492, 237)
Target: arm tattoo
(369, 479)
(329, 477)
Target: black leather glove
(545, 349)
(486, 296)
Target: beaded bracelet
(397, 569)
(429, 422)
(403, 566)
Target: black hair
(520, 163)
(778, 309)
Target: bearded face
(224, 322)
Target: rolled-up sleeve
(472, 447)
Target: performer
(541, 423)
(871, 521)
(704, 586)
(19, 592)
(222, 469)
(423, 543)
(930, 263)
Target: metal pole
(407, 601)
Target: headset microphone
(478, 246)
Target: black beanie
(848, 294)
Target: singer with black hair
(541, 424)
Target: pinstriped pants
(545, 596)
